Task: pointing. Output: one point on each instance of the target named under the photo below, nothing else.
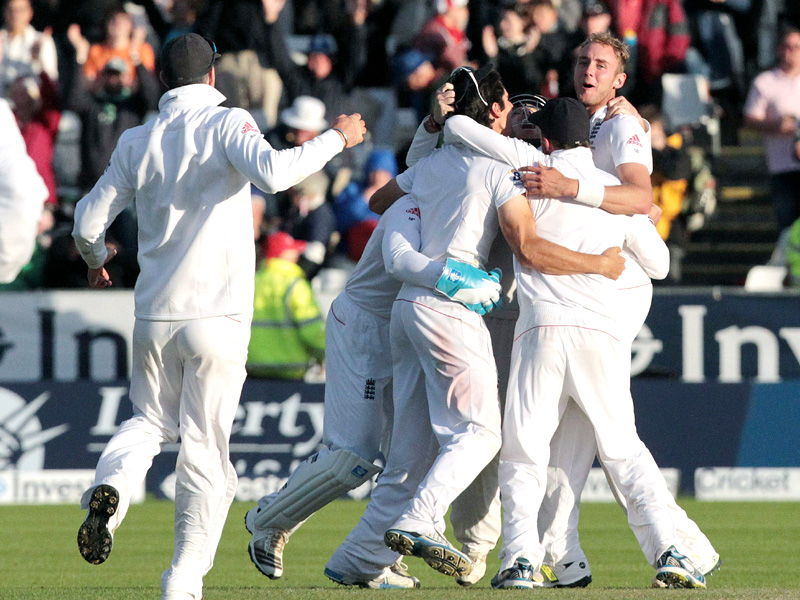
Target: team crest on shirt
(634, 140)
(248, 127)
(413, 211)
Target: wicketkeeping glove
(476, 289)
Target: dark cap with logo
(564, 121)
(187, 57)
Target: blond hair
(619, 47)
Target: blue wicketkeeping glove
(476, 289)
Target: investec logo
(22, 439)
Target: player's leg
(599, 368)
(121, 469)
(363, 559)
(572, 452)
(475, 514)
(214, 352)
(464, 413)
(534, 404)
(357, 410)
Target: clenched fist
(352, 127)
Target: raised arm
(276, 170)
(519, 228)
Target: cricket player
(189, 170)
(444, 376)
(22, 196)
(358, 390)
(568, 346)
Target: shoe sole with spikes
(94, 538)
(441, 557)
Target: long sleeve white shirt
(189, 170)
(22, 196)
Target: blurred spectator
(773, 108)
(22, 196)
(122, 41)
(444, 37)
(715, 36)
(513, 54)
(23, 50)
(553, 49)
(657, 35)
(416, 81)
(288, 331)
(331, 70)
(182, 17)
(38, 117)
(244, 73)
(354, 219)
(672, 169)
(309, 218)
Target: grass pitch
(39, 559)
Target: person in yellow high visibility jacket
(288, 331)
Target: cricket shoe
(520, 576)
(94, 538)
(477, 573)
(574, 574)
(433, 548)
(674, 570)
(393, 578)
(266, 546)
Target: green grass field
(39, 560)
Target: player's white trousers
(446, 427)
(358, 389)
(186, 382)
(549, 365)
(475, 514)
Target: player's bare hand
(613, 263)
(548, 182)
(620, 106)
(99, 278)
(655, 213)
(353, 127)
(445, 99)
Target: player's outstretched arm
(473, 287)
(427, 135)
(633, 196)
(515, 153)
(645, 245)
(383, 198)
(519, 228)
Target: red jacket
(663, 36)
(40, 135)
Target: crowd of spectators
(296, 64)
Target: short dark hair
(471, 101)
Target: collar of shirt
(196, 94)
(596, 121)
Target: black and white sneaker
(433, 548)
(94, 538)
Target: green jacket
(288, 332)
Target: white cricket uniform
(358, 388)
(189, 170)
(22, 196)
(614, 142)
(569, 345)
(446, 409)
